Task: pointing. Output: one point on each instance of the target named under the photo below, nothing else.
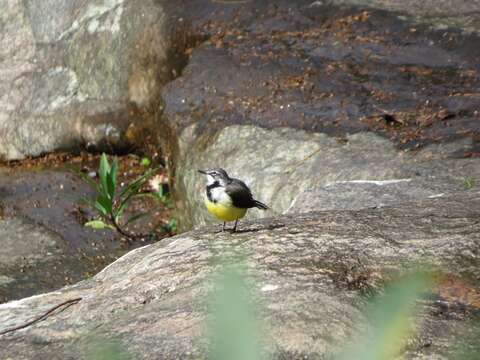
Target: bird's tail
(260, 205)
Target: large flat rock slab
(310, 272)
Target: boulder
(80, 73)
(292, 97)
(295, 171)
(311, 273)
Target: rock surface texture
(292, 97)
(79, 73)
(312, 273)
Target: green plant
(468, 182)
(162, 196)
(234, 330)
(145, 162)
(391, 315)
(171, 226)
(107, 349)
(110, 202)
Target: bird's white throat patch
(220, 196)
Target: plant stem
(128, 235)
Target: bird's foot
(235, 226)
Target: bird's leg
(223, 227)
(235, 226)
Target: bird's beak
(202, 172)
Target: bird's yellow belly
(224, 212)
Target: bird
(227, 198)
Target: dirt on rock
(326, 68)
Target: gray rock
(309, 271)
(360, 194)
(18, 248)
(79, 73)
(5, 280)
(285, 168)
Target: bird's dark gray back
(240, 194)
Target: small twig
(66, 304)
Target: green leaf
(103, 172)
(112, 179)
(105, 202)
(100, 208)
(98, 224)
(119, 211)
(145, 162)
(171, 226)
(123, 202)
(135, 218)
(135, 185)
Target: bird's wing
(240, 194)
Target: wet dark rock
(320, 68)
(44, 242)
(312, 273)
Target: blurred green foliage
(234, 331)
(392, 319)
(468, 182)
(107, 350)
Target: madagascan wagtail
(226, 198)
